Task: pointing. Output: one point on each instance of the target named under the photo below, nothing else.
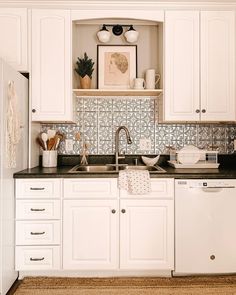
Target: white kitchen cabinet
(147, 234)
(90, 234)
(147, 228)
(38, 224)
(14, 37)
(218, 65)
(199, 66)
(51, 65)
(181, 94)
(90, 224)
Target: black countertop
(227, 169)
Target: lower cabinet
(38, 224)
(103, 228)
(90, 238)
(133, 232)
(147, 234)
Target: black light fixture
(104, 35)
(117, 30)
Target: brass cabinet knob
(123, 211)
(113, 211)
(197, 111)
(33, 110)
(203, 110)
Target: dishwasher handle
(215, 189)
(219, 187)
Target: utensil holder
(49, 159)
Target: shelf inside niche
(117, 92)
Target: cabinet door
(13, 37)
(51, 65)
(90, 234)
(147, 234)
(181, 98)
(218, 65)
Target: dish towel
(13, 131)
(135, 182)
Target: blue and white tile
(204, 133)
(105, 147)
(147, 118)
(90, 104)
(147, 104)
(218, 133)
(90, 133)
(105, 119)
(119, 104)
(133, 118)
(162, 132)
(105, 133)
(79, 104)
(105, 104)
(133, 104)
(119, 119)
(177, 133)
(79, 118)
(90, 118)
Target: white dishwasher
(205, 226)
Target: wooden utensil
(51, 143)
(56, 138)
(40, 142)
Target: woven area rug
(214, 285)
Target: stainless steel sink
(112, 168)
(92, 168)
(142, 167)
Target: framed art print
(117, 66)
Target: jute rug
(206, 285)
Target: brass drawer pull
(37, 233)
(37, 188)
(36, 259)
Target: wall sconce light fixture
(131, 35)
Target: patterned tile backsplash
(98, 118)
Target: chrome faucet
(129, 141)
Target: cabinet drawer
(37, 233)
(161, 188)
(96, 188)
(36, 209)
(37, 258)
(41, 188)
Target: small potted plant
(85, 69)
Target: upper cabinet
(218, 65)
(13, 37)
(181, 98)
(51, 65)
(199, 66)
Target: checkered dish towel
(136, 182)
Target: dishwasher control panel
(203, 183)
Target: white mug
(151, 79)
(139, 83)
(49, 159)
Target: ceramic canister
(151, 79)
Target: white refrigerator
(9, 76)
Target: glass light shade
(131, 35)
(104, 35)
